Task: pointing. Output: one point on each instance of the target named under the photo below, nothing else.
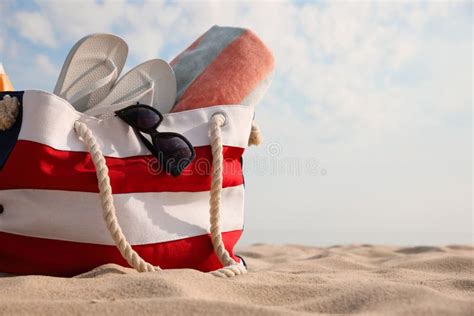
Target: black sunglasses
(173, 150)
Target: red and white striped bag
(77, 192)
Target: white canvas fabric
(145, 218)
(116, 138)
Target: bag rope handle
(231, 268)
(9, 106)
(107, 201)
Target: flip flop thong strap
(107, 109)
(96, 85)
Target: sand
(283, 280)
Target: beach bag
(77, 192)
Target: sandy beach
(282, 280)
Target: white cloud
(35, 27)
(46, 66)
(75, 19)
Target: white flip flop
(152, 83)
(90, 70)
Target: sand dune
(283, 280)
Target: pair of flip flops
(89, 78)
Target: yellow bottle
(5, 84)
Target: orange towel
(5, 84)
(226, 65)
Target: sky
(367, 124)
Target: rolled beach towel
(226, 65)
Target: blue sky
(371, 101)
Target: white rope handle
(231, 268)
(106, 198)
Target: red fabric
(28, 255)
(232, 76)
(37, 166)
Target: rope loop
(9, 109)
(256, 137)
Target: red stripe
(232, 76)
(28, 255)
(36, 166)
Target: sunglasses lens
(142, 118)
(173, 147)
(176, 152)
